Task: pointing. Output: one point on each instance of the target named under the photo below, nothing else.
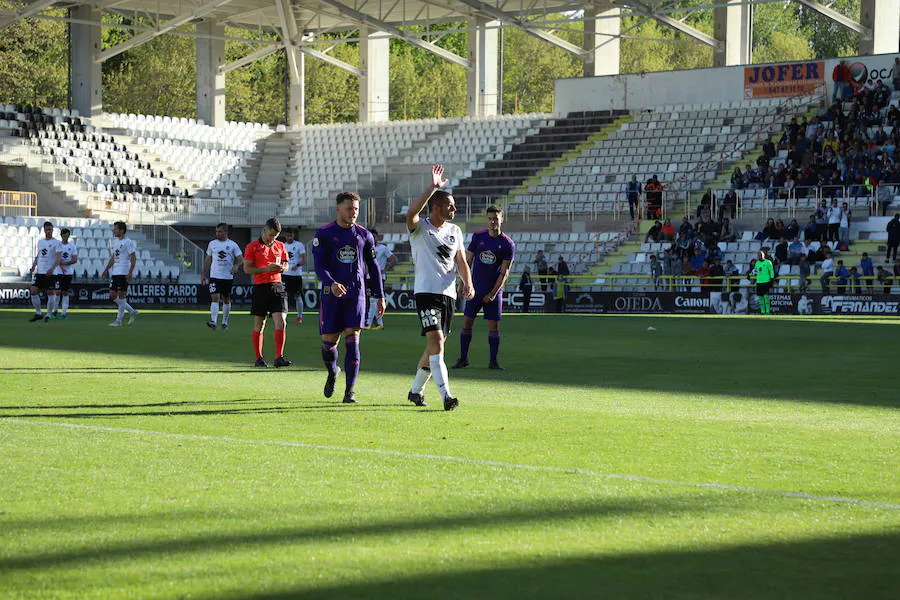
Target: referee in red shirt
(265, 258)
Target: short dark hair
(65, 231)
(47, 223)
(346, 196)
(274, 224)
(121, 225)
(374, 232)
(493, 208)
(290, 230)
(439, 196)
(225, 225)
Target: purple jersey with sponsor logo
(343, 255)
(489, 254)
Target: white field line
(462, 460)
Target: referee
(265, 258)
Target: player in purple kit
(491, 253)
(343, 251)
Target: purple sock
(329, 356)
(465, 338)
(494, 344)
(351, 359)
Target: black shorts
(435, 312)
(267, 299)
(762, 289)
(44, 282)
(119, 283)
(293, 285)
(63, 283)
(220, 286)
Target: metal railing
(783, 200)
(524, 210)
(189, 255)
(18, 204)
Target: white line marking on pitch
(463, 460)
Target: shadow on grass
(214, 541)
(778, 359)
(860, 566)
(63, 412)
(854, 567)
(149, 371)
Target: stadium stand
(844, 151)
(213, 161)
(19, 236)
(524, 159)
(682, 145)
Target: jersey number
(430, 317)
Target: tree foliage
(34, 59)
(530, 67)
(160, 77)
(156, 78)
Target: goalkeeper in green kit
(764, 273)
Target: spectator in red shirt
(265, 258)
(841, 78)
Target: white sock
(121, 314)
(373, 310)
(226, 310)
(299, 302)
(439, 371)
(422, 377)
(65, 304)
(36, 303)
(214, 312)
(51, 304)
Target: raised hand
(437, 176)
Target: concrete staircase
(267, 178)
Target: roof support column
(483, 55)
(210, 80)
(601, 41)
(882, 18)
(733, 30)
(375, 82)
(85, 76)
(296, 116)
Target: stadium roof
(312, 18)
(316, 17)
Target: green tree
(656, 47)
(332, 94)
(777, 34)
(827, 38)
(255, 92)
(156, 78)
(530, 67)
(34, 61)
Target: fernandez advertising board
(859, 305)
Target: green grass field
(711, 458)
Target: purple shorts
(338, 314)
(493, 311)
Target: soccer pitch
(709, 458)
